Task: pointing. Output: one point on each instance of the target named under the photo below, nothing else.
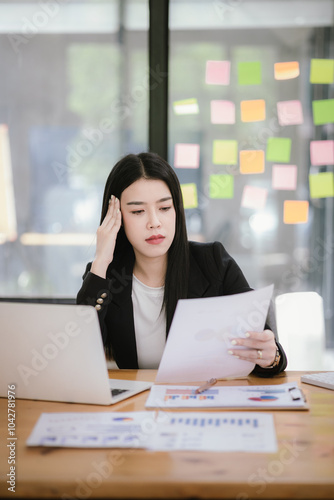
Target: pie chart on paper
(263, 398)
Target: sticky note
(323, 111)
(217, 72)
(321, 185)
(278, 149)
(254, 197)
(186, 107)
(221, 186)
(189, 195)
(290, 113)
(284, 177)
(286, 70)
(223, 112)
(322, 152)
(225, 152)
(322, 71)
(186, 155)
(253, 111)
(250, 73)
(295, 212)
(251, 161)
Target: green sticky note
(221, 186)
(189, 195)
(278, 149)
(321, 185)
(322, 71)
(250, 73)
(225, 152)
(323, 111)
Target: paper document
(201, 333)
(158, 431)
(283, 396)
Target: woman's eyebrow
(144, 203)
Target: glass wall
(73, 100)
(251, 133)
(251, 129)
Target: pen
(294, 392)
(206, 386)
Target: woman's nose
(154, 220)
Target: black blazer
(213, 272)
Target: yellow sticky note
(251, 161)
(225, 152)
(189, 195)
(322, 71)
(321, 185)
(295, 212)
(253, 111)
(286, 70)
(186, 107)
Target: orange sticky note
(251, 161)
(286, 70)
(295, 212)
(253, 111)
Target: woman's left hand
(260, 348)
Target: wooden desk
(303, 467)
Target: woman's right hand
(106, 238)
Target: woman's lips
(155, 240)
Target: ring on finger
(259, 353)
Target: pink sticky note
(254, 197)
(217, 72)
(322, 152)
(222, 112)
(186, 156)
(284, 177)
(290, 113)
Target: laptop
(55, 352)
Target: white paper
(201, 334)
(221, 431)
(157, 431)
(281, 396)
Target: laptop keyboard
(116, 392)
(322, 379)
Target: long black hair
(151, 166)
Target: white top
(150, 323)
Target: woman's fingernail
(234, 342)
(230, 352)
(247, 334)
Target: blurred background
(237, 95)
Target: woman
(144, 264)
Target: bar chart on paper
(233, 431)
(215, 422)
(189, 394)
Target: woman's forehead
(147, 190)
